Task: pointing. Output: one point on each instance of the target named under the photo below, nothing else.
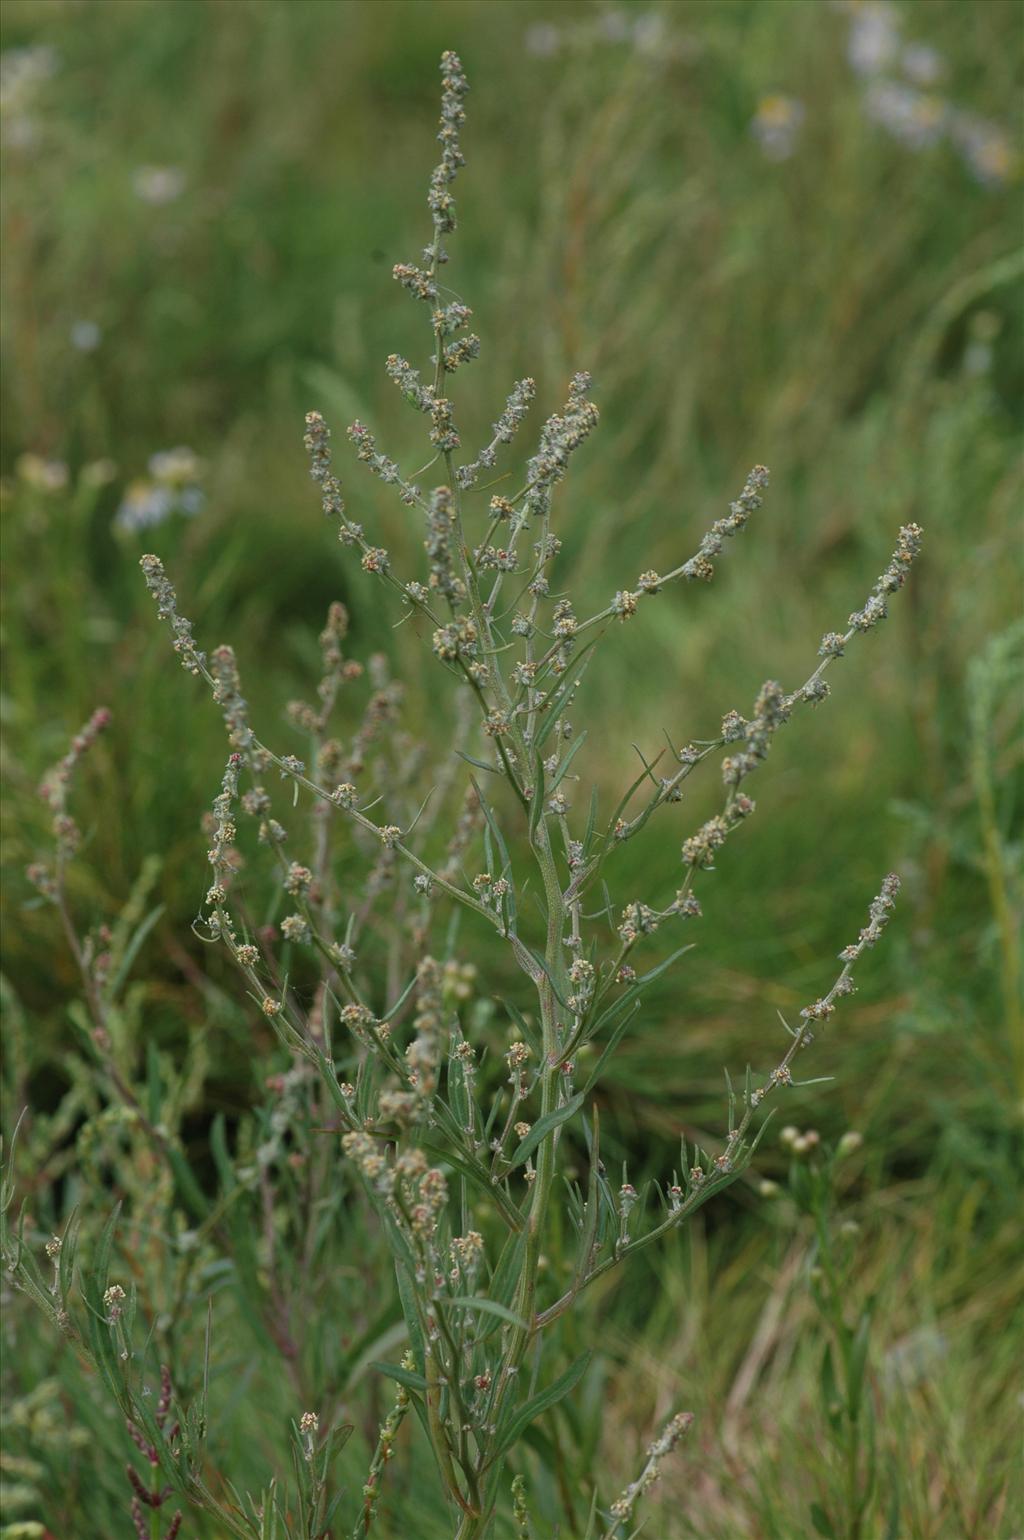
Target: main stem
(489, 1466)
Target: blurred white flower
(20, 133)
(144, 505)
(649, 32)
(978, 358)
(543, 40)
(915, 119)
(86, 336)
(919, 118)
(43, 475)
(874, 37)
(175, 467)
(776, 125)
(979, 354)
(922, 64)
(22, 70)
(158, 184)
(172, 488)
(984, 147)
(646, 31)
(614, 27)
(98, 473)
(914, 1357)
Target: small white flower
(776, 125)
(22, 71)
(614, 27)
(86, 336)
(172, 489)
(649, 32)
(143, 506)
(158, 185)
(922, 64)
(175, 467)
(914, 118)
(874, 38)
(43, 475)
(984, 148)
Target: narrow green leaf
(543, 1127)
(154, 1086)
(537, 800)
(505, 1277)
(892, 1526)
(608, 1049)
(588, 834)
(406, 992)
(68, 1249)
(490, 1307)
(821, 1522)
(493, 825)
(219, 1150)
(571, 753)
(662, 967)
(407, 1295)
(552, 703)
(541, 1402)
(624, 802)
(479, 1176)
(636, 988)
(186, 1183)
(526, 1031)
(856, 1365)
(404, 1377)
(541, 970)
(830, 1389)
(101, 1262)
(481, 764)
(759, 1136)
(330, 1080)
(131, 951)
(589, 1232)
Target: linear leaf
(543, 1127)
(541, 1402)
(552, 702)
(404, 1377)
(490, 1307)
(608, 1049)
(480, 1177)
(563, 768)
(132, 949)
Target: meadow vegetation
(785, 233)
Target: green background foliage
(849, 315)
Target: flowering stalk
(382, 1454)
(624, 1505)
(93, 954)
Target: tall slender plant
(462, 1140)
